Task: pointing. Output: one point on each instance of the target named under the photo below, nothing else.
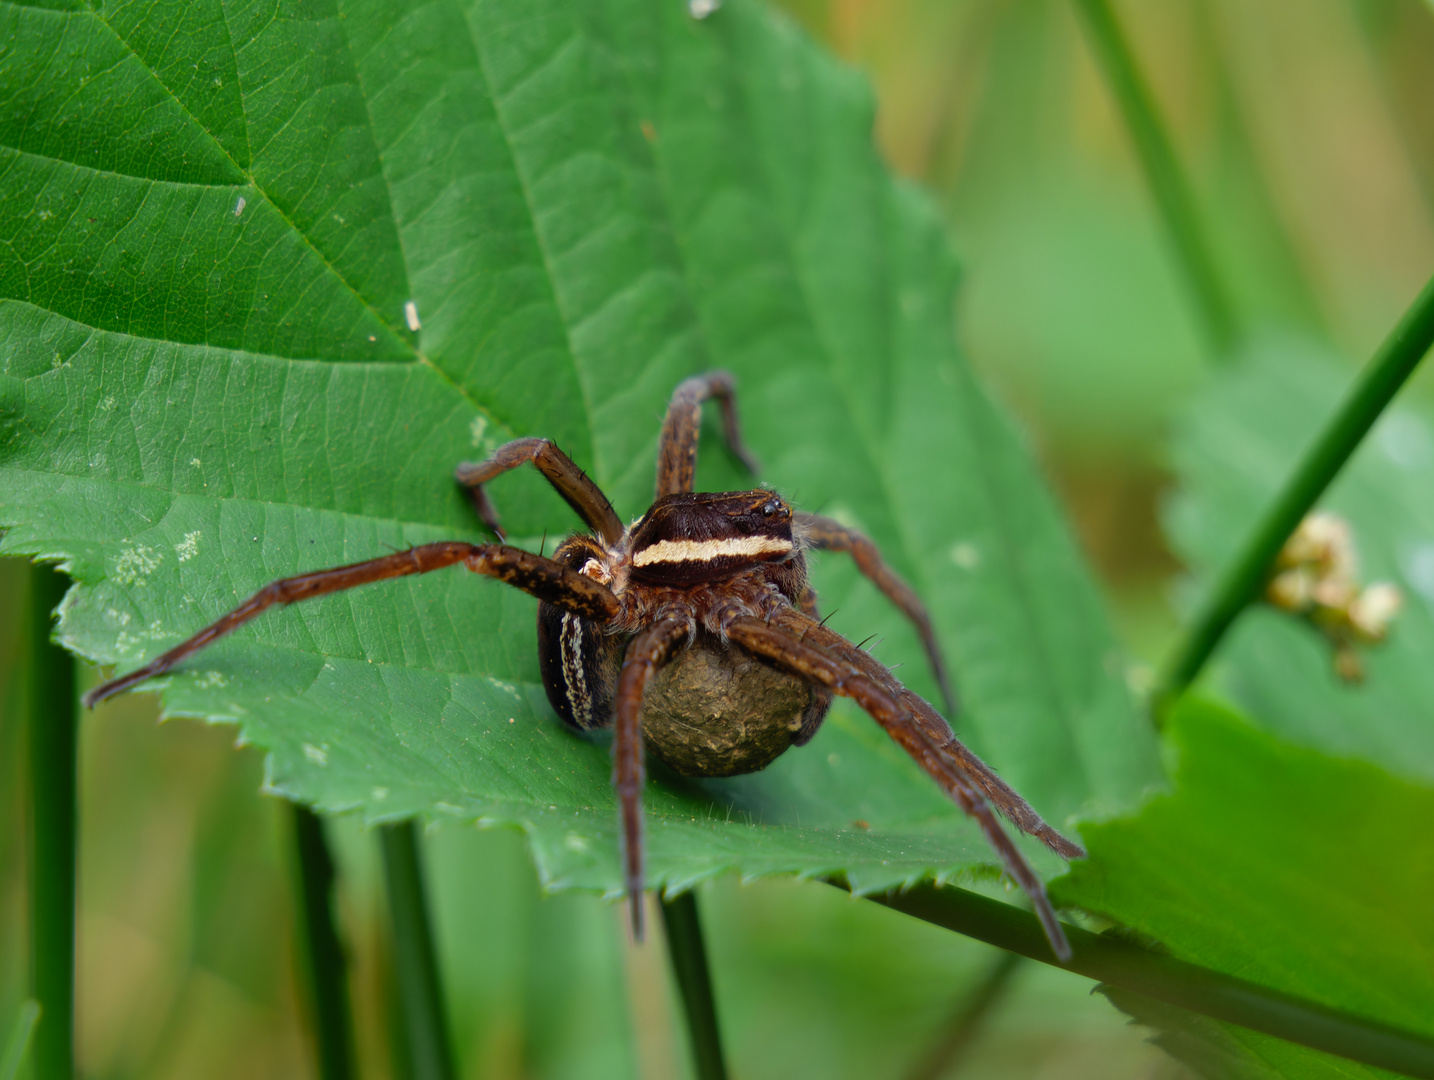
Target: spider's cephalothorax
(693, 633)
(707, 558)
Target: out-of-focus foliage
(1308, 132)
(1238, 440)
(1289, 868)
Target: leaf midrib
(386, 323)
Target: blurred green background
(1307, 129)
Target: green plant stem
(1244, 577)
(419, 988)
(961, 1030)
(1162, 171)
(53, 750)
(322, 955)
(683, 928)
(1163, 978)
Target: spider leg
(677, 446)
(574, 485)
(782, 645)
(543, 578)
(828, 535)
(1006, 800)
(821, 696)
(647, 652)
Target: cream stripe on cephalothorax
(691, 551)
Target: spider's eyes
(770, 509)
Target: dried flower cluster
(1316, 578)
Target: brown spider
(694, 631)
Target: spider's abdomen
(579, 663)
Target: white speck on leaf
(107, 404)
(239, 206)
(135, 564)
(378, 794)
(189, 547)
(319, 755)
(966, 555)
(574, 842)
(410, 316)
(700, 9)
(478, 428)
(46, 215)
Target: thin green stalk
(965, 1024)
(419, 989)
(1244, 578)
(322, 955)
(1121, 963)
(683, 928)
(1162, 171)
(53, 752)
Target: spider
(693, 631)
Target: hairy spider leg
(543, 578)
(574, 485)
(1006, 800)
(677, 445)
(827, 535)
(647, 652)
(781, 645)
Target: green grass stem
(321, 954)
(1243, 579)
(425, 1027)
(966, 1023)
(1121, 963)
(53, 752)
(1162, 171)
(685, 948)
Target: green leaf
(1239, 441)
(209, 382)
(1280, 865)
